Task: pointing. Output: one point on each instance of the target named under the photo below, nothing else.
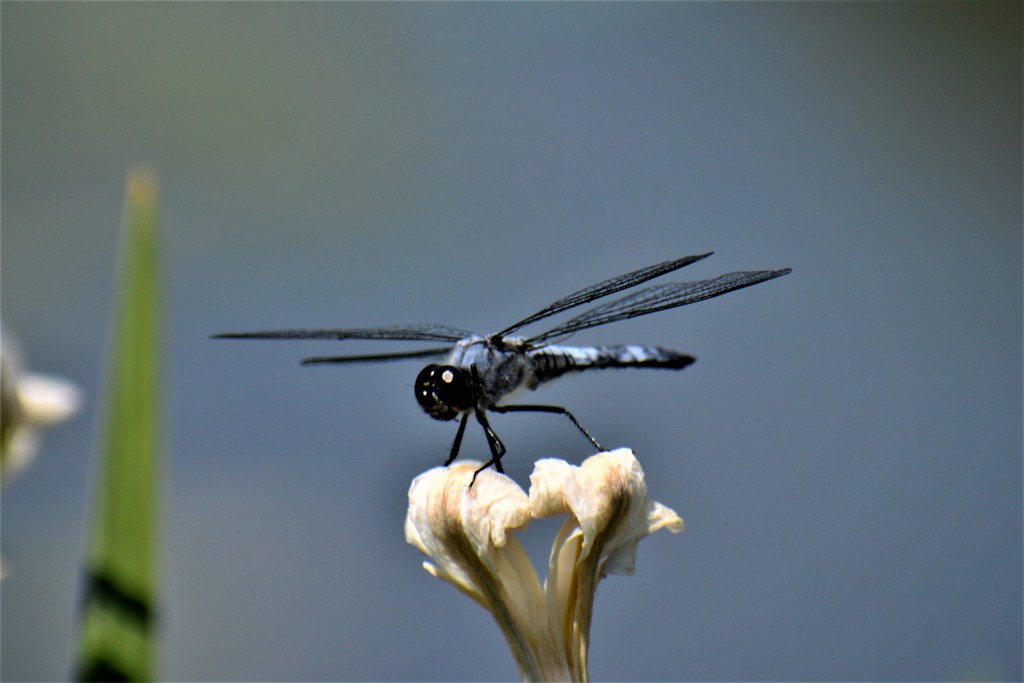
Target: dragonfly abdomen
(555, 361)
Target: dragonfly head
(443, 391)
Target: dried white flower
(29, 402)
(465, 532)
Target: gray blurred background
(846, 452)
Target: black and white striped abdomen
(555, 361)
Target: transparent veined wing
(656, 298)
(603, 289)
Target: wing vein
(416, 332)
(656, 298)
(602, 289)
(378, 357)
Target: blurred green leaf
(118, 607)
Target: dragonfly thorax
(497, 367)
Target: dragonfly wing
(441, 333)
(602, 289)
(378, 357)
(657, 298)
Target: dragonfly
(474, 374)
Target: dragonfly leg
(495, 444)
(548, 409)
(458, 440)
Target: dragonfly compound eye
(442, 391)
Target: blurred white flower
(464, 531)
(28, 402)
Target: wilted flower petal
(464, 530)
(448, 520)
(607, 495)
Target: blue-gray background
(846, 452)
